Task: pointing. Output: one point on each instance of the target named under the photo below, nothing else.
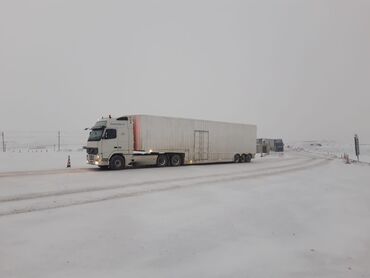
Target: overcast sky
(298, 69)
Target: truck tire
(117, 162)
(175, 160)
(249, 158)
(243, 158)
(237, 158)
(162, 160)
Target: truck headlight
(97, 157)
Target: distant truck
(116, 143)
(265, 145)
(278, 145)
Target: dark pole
(357, 147)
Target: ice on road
(297, 215)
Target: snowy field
(31, 161)
(294, 215)
(333, 148)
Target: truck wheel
(243, 158)
(237, 158)
(249, 158)
(117, 162)
(162, 160)
(175, 160)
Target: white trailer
(165, 141)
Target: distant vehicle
(163, 141)
(266, 145)
(278, 145)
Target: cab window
(110, 134)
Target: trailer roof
(181, 118)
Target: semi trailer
(136, 140)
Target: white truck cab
(109, 137)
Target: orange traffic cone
(69, 162)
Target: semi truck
(138, 140)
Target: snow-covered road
(43, 192)
(296, 215)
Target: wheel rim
(161, 161)
(117, 163)
(236, 158)
(175, 160)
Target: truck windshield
(96, 134)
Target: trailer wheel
(243, 158)
(175, 160)
(237, 158)
(249, 158)
(117, 162)
(162, 160)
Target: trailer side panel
(201, 141)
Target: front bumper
(96, 160)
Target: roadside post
(357, 147)
(69, 162)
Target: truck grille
(92, 150)
(90, 157)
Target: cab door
(109, 142)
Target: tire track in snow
(97, 170)
(208, 182)
(47, 172)
(22, 197)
